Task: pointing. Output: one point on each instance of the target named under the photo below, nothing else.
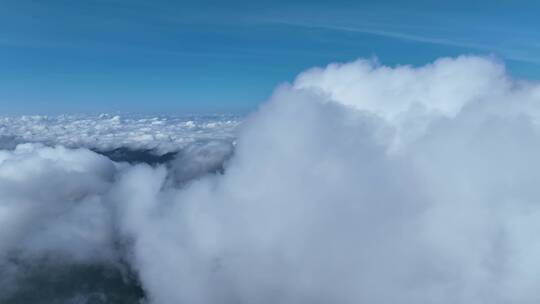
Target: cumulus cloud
(51, 200)
(52, 213)
(410, 98)
(200, 158)
(318, 204)
(357, 183)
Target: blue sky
(179, 57)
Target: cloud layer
(358, 183)
(106, 132)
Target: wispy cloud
(515, 54)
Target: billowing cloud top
(358, 183)
(442, 87)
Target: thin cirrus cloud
(510, 53)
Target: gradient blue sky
(179, 57)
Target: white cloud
(51, 202)
(107, 132)
(359, 183)
(313, 208)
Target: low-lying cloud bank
(358, 183)
(109, 133)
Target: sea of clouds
(357, 183)
(104, 133)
